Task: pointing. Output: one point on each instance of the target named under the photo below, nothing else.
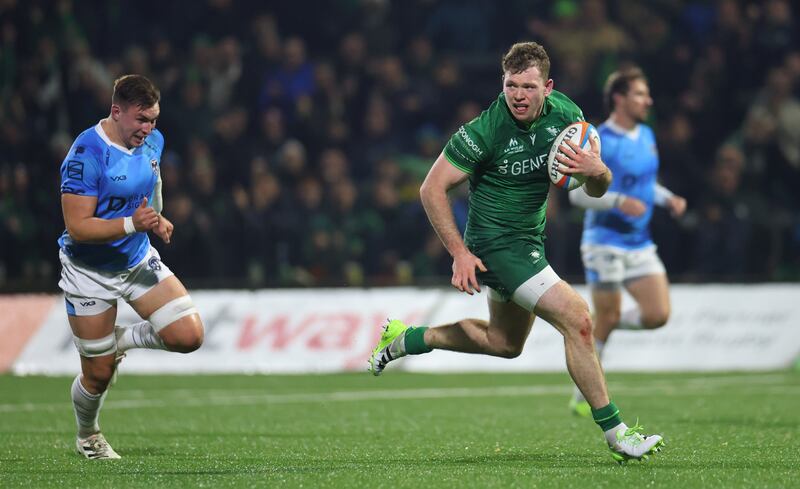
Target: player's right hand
(145, 218)
(464, 278)
(632, 207)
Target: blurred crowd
(297, 134)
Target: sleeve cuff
(463, 168)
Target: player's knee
(185, 336)
(580, 324)
(656, 318)
(608, 318)
(504, 347)
(98, 363)
(507, 350)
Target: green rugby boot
(391, 346)
(631, 444)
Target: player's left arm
(675, 204)
(165, 226)
(588, 163)
(164, 229)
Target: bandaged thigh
(171, 312)
(528, 294)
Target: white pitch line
(235, 398)
(771, 378)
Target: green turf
(402, 430)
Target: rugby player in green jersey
(503, 154)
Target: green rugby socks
(415, 341)
(607, 417)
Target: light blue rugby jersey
(120, 178)
(632, 157)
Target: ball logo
(554, 174)
(579, 133)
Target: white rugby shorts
(89, 291)
(609, 266)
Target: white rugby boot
(631, 444)
(95, 447)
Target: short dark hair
(135, 90)
(524, 55)
(619, 82)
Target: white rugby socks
(138, 335)
(598, 346)
(87, 408)
(630, 319)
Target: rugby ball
(579, 133)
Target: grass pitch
(403, 430)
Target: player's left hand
(164, 229)
(578, 160)
(676, 205)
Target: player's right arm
(81, 173)
(442, 177)
(84, 227)
(610, 200)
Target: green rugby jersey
(507, 166)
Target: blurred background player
(503, 153)
(616, 247)
(107, 178)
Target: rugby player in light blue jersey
(616, 247)
(111, 198)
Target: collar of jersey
(631, 133)
(100, 132)
(547, 106)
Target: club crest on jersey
(513, 146)
(154, 264)
(552, 131)
(154, 166)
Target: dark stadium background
(297, 133)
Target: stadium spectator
(724, 224)
(369, 85)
